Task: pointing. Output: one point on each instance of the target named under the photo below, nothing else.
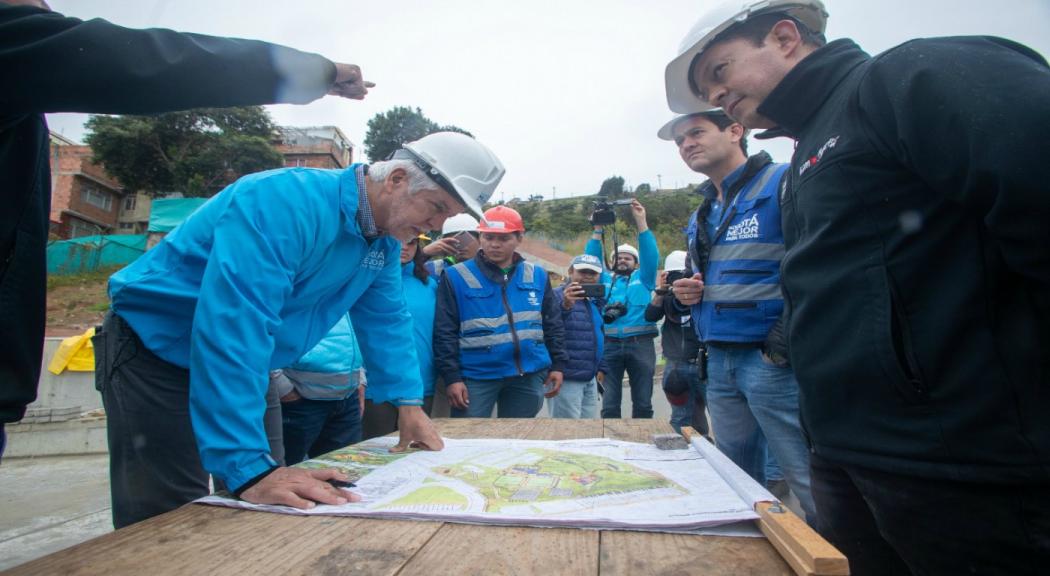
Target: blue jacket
(472, 333)
(421, 300)
(250, 282)
(584, 337)
(742, 298)
(634, 290)
(326, 371)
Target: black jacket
(678, 340)
(917, 223)
(446, 323)
(51, 63)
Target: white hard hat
(666, 132)
(625, 249)
(461, 165)
(675, 261)
(459, 223)
(680, 95)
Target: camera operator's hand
(638, 211)
(661, 279)
(573, 294)
(441, 247)
(553, 383)
(457, 395)
(689, 290)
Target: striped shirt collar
(365, 219)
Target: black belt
(637, 338)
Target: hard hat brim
(666, 132)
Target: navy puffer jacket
(584, 337)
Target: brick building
(84, 199)
(314, 147)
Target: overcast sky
(567, 93)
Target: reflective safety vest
(500, 325)
(742, 299)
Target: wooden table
(197, 539)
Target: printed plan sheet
(595, 483)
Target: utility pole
(554, 192)
(659, 182)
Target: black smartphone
(593, 290)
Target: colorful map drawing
(370, 456)
(541, 475)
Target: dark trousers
(889, 524)
(315, 427)
(381, 419)
(637, 357)
(154, 466)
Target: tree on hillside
(642, 189)
(387, 131)
(196, 152)
(612, 187)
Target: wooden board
(198, 539)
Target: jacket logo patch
(820, 154)
(374, 260)
(745, 230)
(533, 300)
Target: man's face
(625, 263)
(702, 145)
(737, 76)
(414, 214)
(583, 276)
(500, 247)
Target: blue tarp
(88, 253)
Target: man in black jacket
(51, 63)
(917, 275)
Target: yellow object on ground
(74, 353)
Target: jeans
(576, 400)
(753, 402)
(894, 524)
(692, 412)
(514, 397)
(315, 427)
(636, 356)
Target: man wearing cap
(249, 283)
(628, 336)
(735, 247)
(917, 275)
(584, 336)
(498, 336)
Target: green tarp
(165, 214)
(88, 253)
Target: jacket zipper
(513, 330)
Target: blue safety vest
(500, 326)
(742, 299)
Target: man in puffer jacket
(584, 335)
(320, 403)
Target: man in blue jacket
(735, 247)
(628, 335)
(584, 342)
(249, 283)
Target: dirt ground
(76, 303)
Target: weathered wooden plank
(197, 539)
(802, 547)
(640, 553)
(463, 549)
(636, 430)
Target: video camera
(604, 212)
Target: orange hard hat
(501, 220)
